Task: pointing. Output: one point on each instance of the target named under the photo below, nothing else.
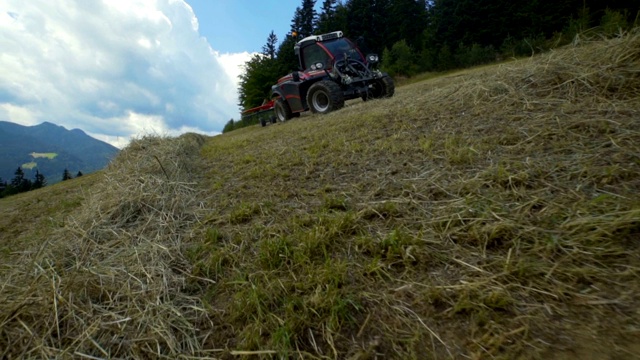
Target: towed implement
(264, 113)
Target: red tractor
(333, 69)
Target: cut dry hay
(491, 214)
(109, 285)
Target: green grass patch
(29, 165)
(49, 156)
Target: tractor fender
(295, 93)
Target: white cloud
(21, 115)
(233, 65)
(115, 69)
(137, 125)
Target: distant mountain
(50, 149)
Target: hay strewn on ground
(109, 283)
(488, 214)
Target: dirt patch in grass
(490, 214)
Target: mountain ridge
(76, 150)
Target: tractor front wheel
(325, 96)
(282, 110)
(381, 88)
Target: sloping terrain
(491, 213)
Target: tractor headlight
(373, 58)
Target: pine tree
(326, 21)
(269, 49)
(369, 20)
(340, 17)
(79, 174)
(229, 126)
(296, 22)
(308, 17)
(66, 175)
(332, 17)
(406, 20)
(287, 60)
(16, 182)
(19, 183)
(39, 181)
(304, 19)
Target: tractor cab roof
(316, 38)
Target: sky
(122, 69)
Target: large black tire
(381, 88)
(325, 96)
(282, 110)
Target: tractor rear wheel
(325, 96)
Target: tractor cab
(321, 51)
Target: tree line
(20, 183)
(416, 36)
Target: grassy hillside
(491, 213)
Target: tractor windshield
(342, 47)
(313, 54)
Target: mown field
(489, 213)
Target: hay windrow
(112, 282)
(492, 213)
